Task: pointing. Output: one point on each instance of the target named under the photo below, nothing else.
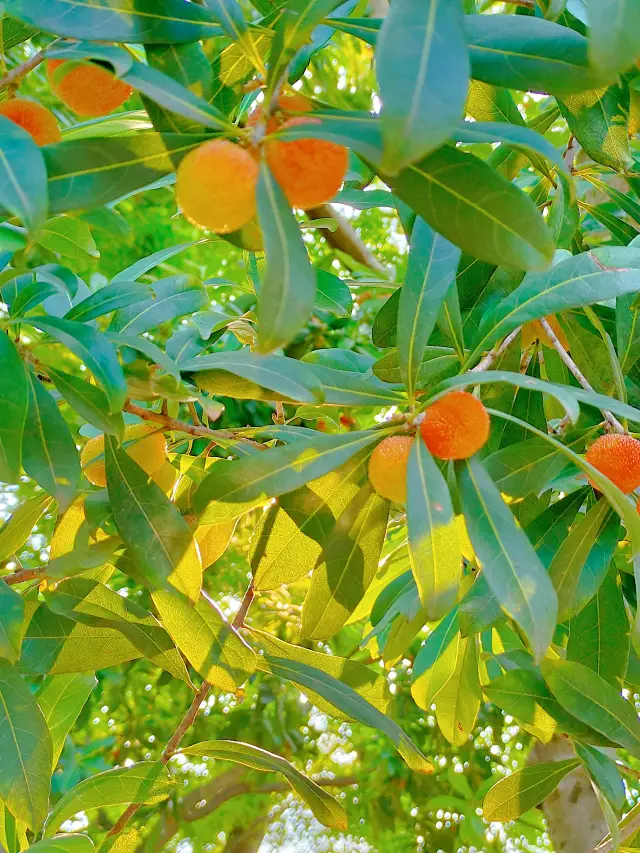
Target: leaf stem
(495, 353)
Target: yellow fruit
(37, 120)
(456, 426)
(149, 453)
(216, 186)
(388, 467)
(618, 458)
(86, 87)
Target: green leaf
(65, 843)
(604, 773)
(348, 388)
(88, 400)
(94, 349)
(625, 201)
(612, 24)
(570, 558)
(366, 682)
(548, 530)
(117, 20)
(469, 203)
(431, 270)
(11, 622)
(599, 121)
(458, 701)
(479, 609)
(157, 536)
(358, 130)
(512, 568)
(325, 808)
(347, 564)
(113, 296)
(23, 177)
(284, 378)
(530, 54)
(333, 294)
(15, 531)
(572, 283)
(288, 289)
(599, 634)
(144, 782)
(278, 470)
(533, 144)
(69, 237)
(136, 270)
(25, 745)
(436, 363)
(189, 66)
(435, 662)
(434, 546)
(622, 233)
(93, 603)
(351, 703)
(299, 524)
(14, 391)
(61, 700)
(594, 701)
(525, 468)
(422, 66)
(49, 452)
(514, 795)
(56, 645)
(168, 299)
(212, 647)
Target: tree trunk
(575, 819)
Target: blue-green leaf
(23, 176)
(14, 392)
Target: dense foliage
(223, 627)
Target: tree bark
(575, 819)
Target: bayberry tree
(336, 437)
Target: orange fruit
(37, 120)
(618, 458)
(86, 87)
(310, 171)
(388, 467)
(289, 102)
(534, 331)
(149, 453)
(456, 426)
(216, 186)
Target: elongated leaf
(157, 536)
(347, 564)
(15, 531)
(120, 294)
(65, 843)
(458, 701)
(23, 177)
(366, 682)
(433, 263)
(599, 634)
(293, 30)
(14, 390)
(49, 452)
(479, 609)
(144, 782)
(288, 289)
(436, 660)
(206, 639)
(347, 700)
(61, 699)
(168, 299)
(470, 204)
(512, 568)
(523, 790)
(422, 66)
(333, 294)
(25, 745)
(434, 546)
(11, 622)
(118, 20)
(612, 47)
(69, 237)
(88, 400)
(326, 809)
(604, 773)
(358, 130)
(526, 468)
(132, 273)
(279, 470)
(347, 388)
(594, 701)
(94, 349)
(599, 121)
(535, 146)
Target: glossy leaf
(422, 66)
(61, 700)
(604, 773)
(110, 298)
(168, 299)
(511, 566)
(333, 294)
(325, 808)
(514, 795)
(88, 400)
(11, 622)
(23, 177)
(26, 750)
(16, 529)
(458, 701)
(525, 468)
(69, 237)
(65, 843)
(436, 660)
(599, 121)
(612, 46)
(14, 390)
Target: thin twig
(238, 619)
(16, 74)
(495, 353)
(22, 575)
(575, 370)
(190, 429)
(279, 417)
(571, 152)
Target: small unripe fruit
(37, 120)
(310, 171)
(216, 186)
(456, 426)
(388, 467)
(86, 87)
(142, 442)
(618, 458)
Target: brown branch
(22, 575)
(238, 619)
(189, 429)
(13, 77)
(575, 370)
(346, 239)
(495, 353)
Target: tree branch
(346, 239)
(579, 375)
(13, 77)
(238, 619)
(495, 353)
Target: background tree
(319, 517)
